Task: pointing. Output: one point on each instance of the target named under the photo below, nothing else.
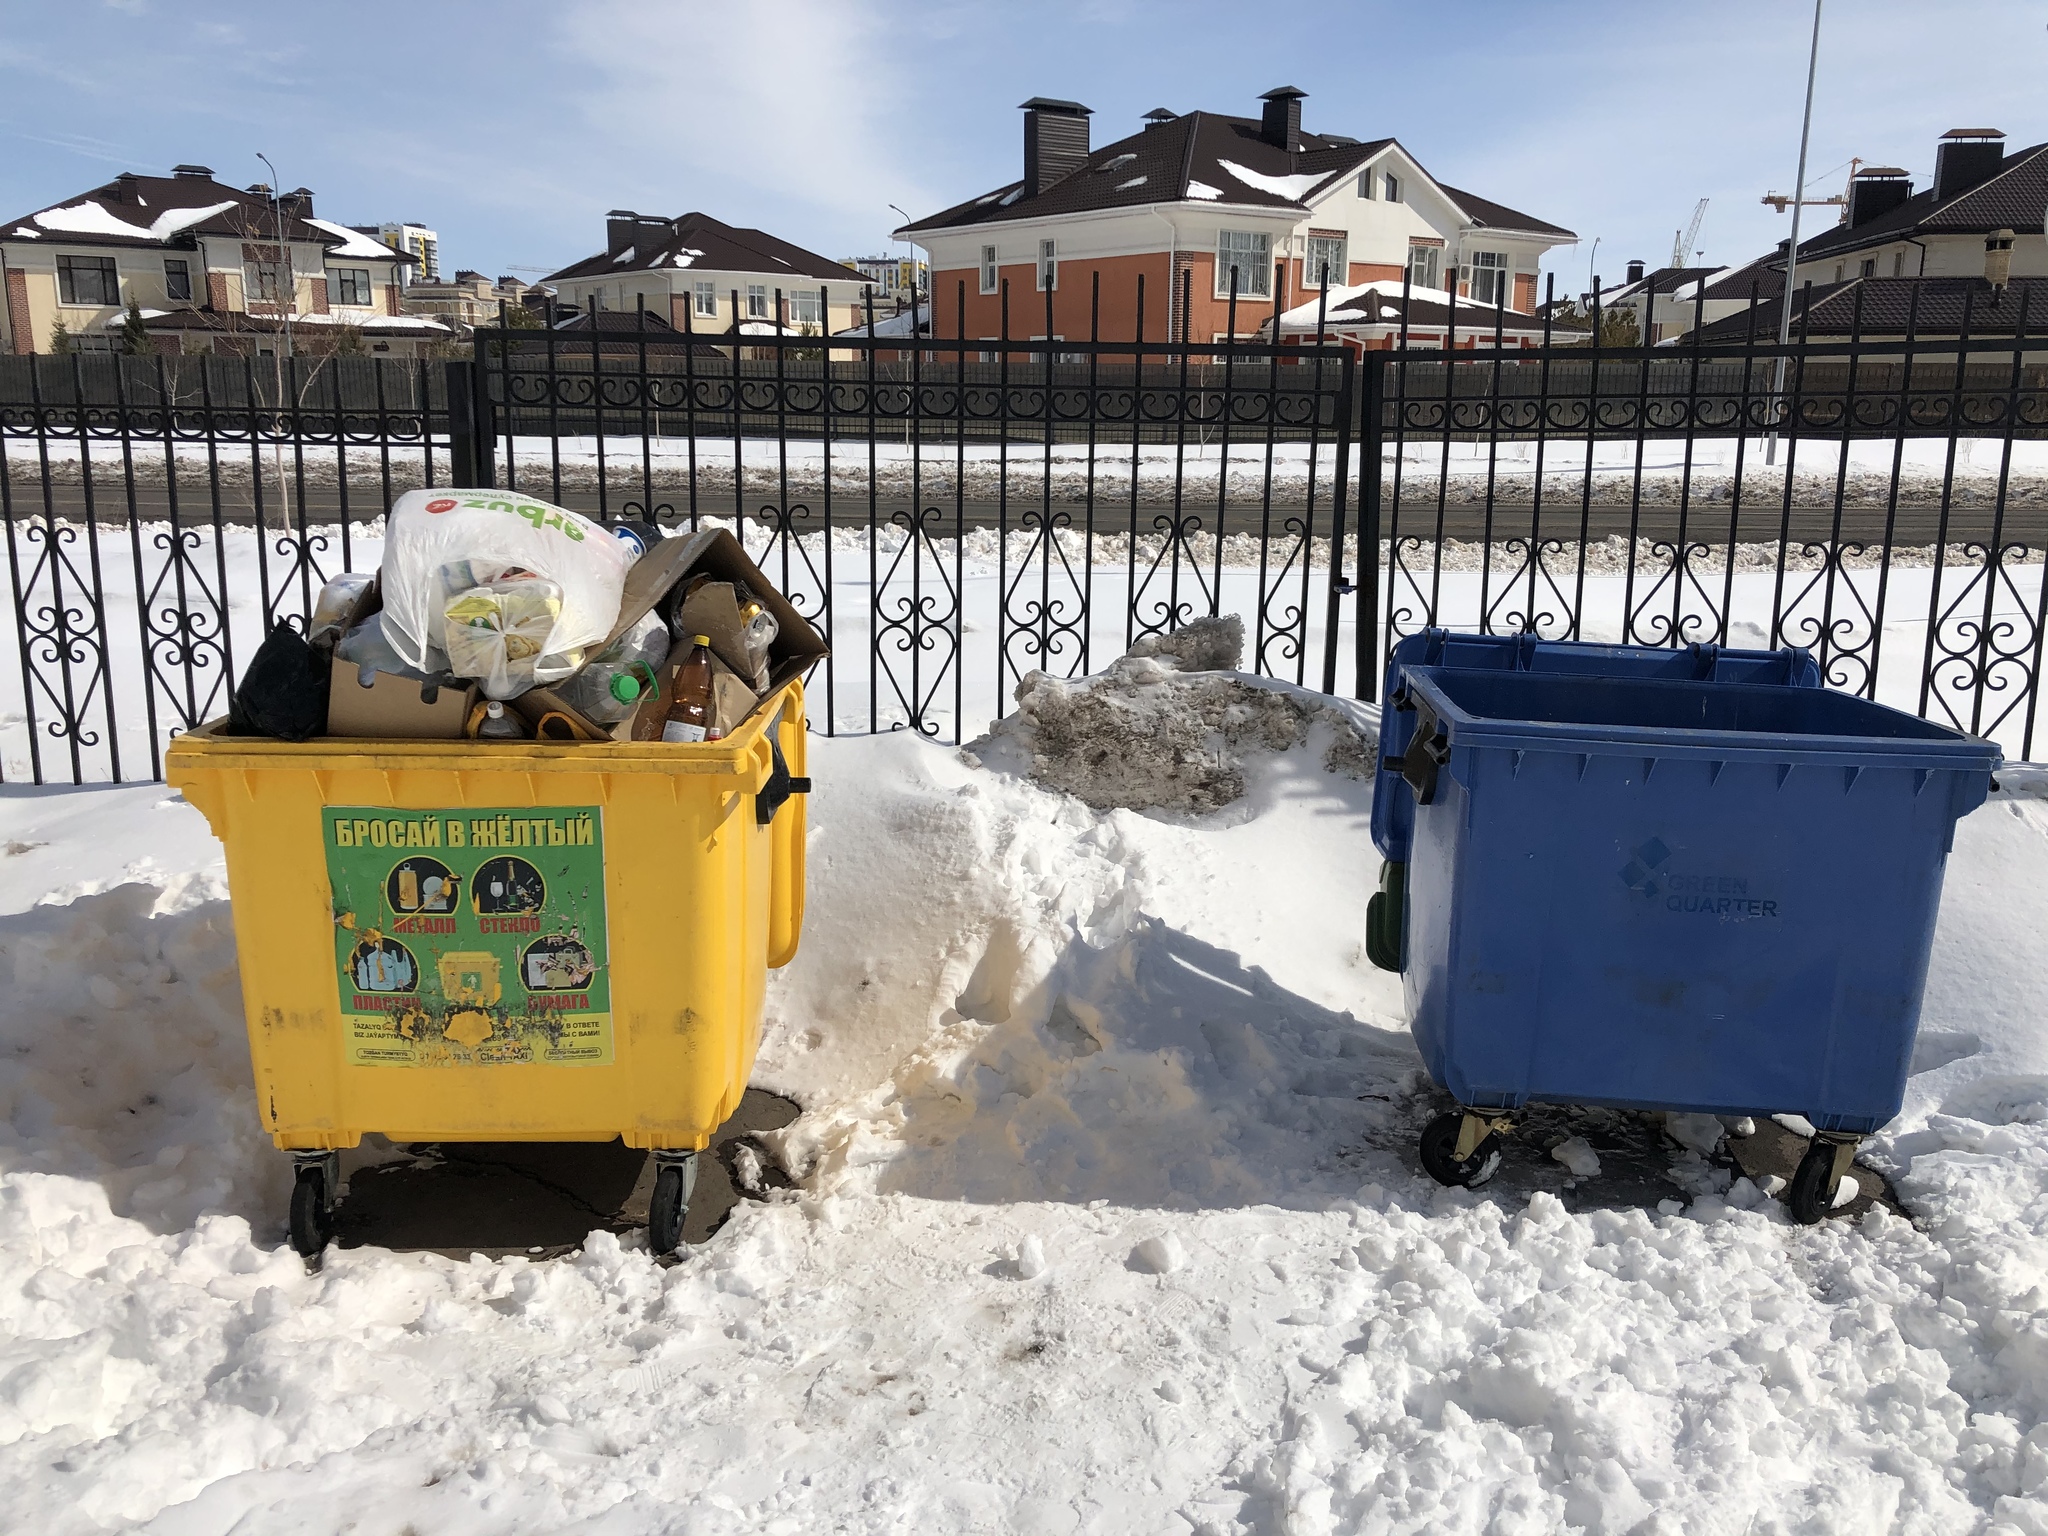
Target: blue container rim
(1951, 749)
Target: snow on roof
(687, 257)
(1135, 181)
(623, 257)
(353, 241)
(93, 219)
(1293, 188)
(25, 233)
(114, 322)
(1203, 190)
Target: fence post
(472, 438)
(1347, 401)
(1372, 429)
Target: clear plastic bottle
(612, 685)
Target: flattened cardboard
(394, 708)
(716, 553)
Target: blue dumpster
(1678, 894)
(1393, 805)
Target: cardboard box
(716, 553)
(394, 708)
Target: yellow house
(212, 268)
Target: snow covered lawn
(1107, 1221)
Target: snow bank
(1108, 1223)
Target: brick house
(211, 267)
(1190, 199)
(700, 274)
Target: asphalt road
(1913, 523)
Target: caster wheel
(1439, 1154)
(1810, 1197)
(671, 1203)
(312, 1222)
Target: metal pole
(1792, 253)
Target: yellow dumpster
(505, 940)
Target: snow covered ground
(1975, 470)
(1107, 1221)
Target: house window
(988, 269)
(1326, 253)
(809, 308)
(1249, 254)
(1048, 265)
(351, 284)
(177, 278)
(1390, 185)
(264, 282)
(1489, 277)
(87, 280)
(706, 303)
(1365, 184)
(1870, 266)
(1840, 271)
(757, 301)
(1425, 264)
(1898, 263)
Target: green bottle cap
(625, 687)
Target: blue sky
(512, 127)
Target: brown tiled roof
(1167, 162)
(1885, 306)
(2011, 198)
(697, 240)
(151, 207)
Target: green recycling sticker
(470, 938)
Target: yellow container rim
(736, 756)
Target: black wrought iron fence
(953, 512)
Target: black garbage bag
(284, 691)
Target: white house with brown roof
(211, 267)
(1191, 203)
(701, 274)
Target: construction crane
(1783, 200)
(1681, 244)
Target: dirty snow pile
(1107, 1218)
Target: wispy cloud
(806, 102)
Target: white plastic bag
(488, 534)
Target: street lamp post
(284, 246)
(1792, 252)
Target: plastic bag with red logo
(439, 543)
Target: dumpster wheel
(312, 1212)
(1439, 1148)
(674, 1180)
(1810, 1197)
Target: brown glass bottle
(690, 712)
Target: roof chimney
(125, 188)
(1876, 189)
(619, 227)
(1055, 141)
(1635, 271)
(1280, 122)
(1159, 117)
(1966, 158)
(1998, 260)
(192, 170)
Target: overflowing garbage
(495, 616)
